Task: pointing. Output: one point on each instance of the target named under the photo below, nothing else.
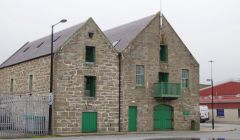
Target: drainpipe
(119, 94)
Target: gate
(163, 117)
(23, 116)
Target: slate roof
(40, 47)
(127, 32)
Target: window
(90, 52)
(220, 112)
(163, 53)
(163, 77)
(90, 34)
(30, 84)
(11, 85)
(239, 112)
(140, 75)
(185, 78)
(89, 85)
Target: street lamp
(51, 79)
(211, 61)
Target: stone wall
(69, 71)
(144, 50)
(181, 58)
(71, 68)
(39, 68)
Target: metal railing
(22, 115)
(165, 89)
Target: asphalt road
(167, 135)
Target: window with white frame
(140, 75)
(185, 78)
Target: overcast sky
(209, 28)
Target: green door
(163, 117)
(89, 122)
(132, 118)
(163, 77)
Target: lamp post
(211, 61)
(51, 80)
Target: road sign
(50, 98)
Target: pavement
(204, 128)
(218, 127)
(226, 131)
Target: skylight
(115, 43)
(26, 49)
(56, 39)
(40, 44)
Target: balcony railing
(167, 90)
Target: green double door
(163, 117)
(132, 118)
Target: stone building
(135, 77)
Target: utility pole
(211, 61)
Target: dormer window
(90, 34)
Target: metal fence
(22, 115)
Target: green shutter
(11, 86)
(89, 85)
(92, 86)
(89, 122)
(93, 54)
(30, 82)
(165, 77)
(90, 54)
(132, 118)
(86, 55)
(163, 53)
